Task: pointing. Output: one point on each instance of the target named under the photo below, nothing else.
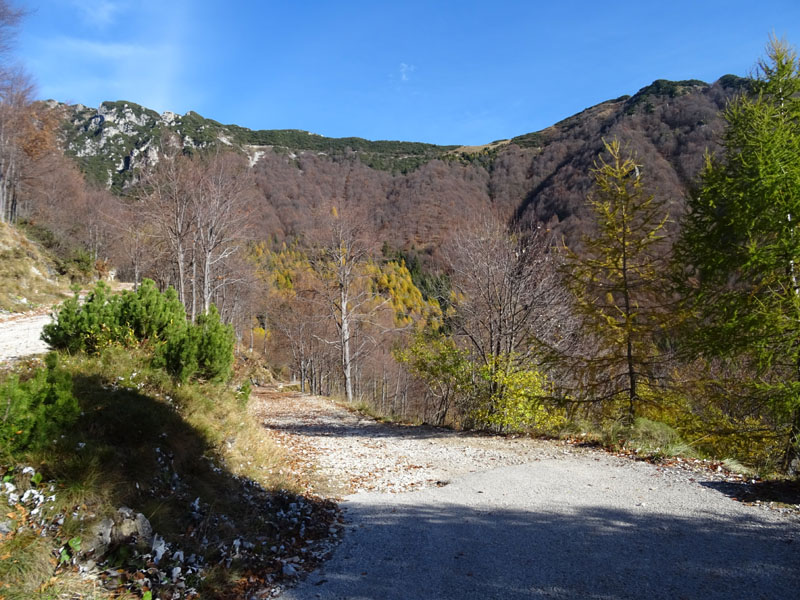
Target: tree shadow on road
(367, 427)
(460, 552)
(783, 492)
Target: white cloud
(99, 13)
(406, 71)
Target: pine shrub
(147, 316)
(66, 331)
(149, 313)
(36, 410)
(88, 326)
(214, 347)
(178, 353)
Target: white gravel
(20, 336)
(437, 514)
(351, 453)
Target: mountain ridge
(419, 193)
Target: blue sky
(445, 72)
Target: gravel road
(442, 515)
(19, 336)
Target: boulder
(124, 527)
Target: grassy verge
(28, 277)
(188, 457)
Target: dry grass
(28, 279)
(479, 149)
(239, 440)
(26, 565)
(29, 571)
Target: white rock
(159, 547)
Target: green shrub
(78, 266)
(105, 318)
(204, 349)
(178, 354)
(444, 368)
(647, 438)
(243, 393)
(89, 326)
(215, 346)
(101, 324)
(514, 399)
(149, 313)
(501, 396)
(66, 331)
(37, 410)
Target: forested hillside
(418, 193)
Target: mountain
(416, 193)
(112, 141)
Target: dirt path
(349, 453)
(438, 514)
(19, 335)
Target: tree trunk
(194, 286)
(136, 276)
(632, 396)
(345, 333)
(265, 335)
(206, 282)
(383, 391)
(791, 459)
(181, 259)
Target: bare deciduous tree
(20, 123)
(221, 187)
(507, 291)
(199, 207)
(137, 246)
(15, 117)
(168, 205)
(344, 295)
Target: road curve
(578, 528)
(563, 524)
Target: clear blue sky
(465, 72)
